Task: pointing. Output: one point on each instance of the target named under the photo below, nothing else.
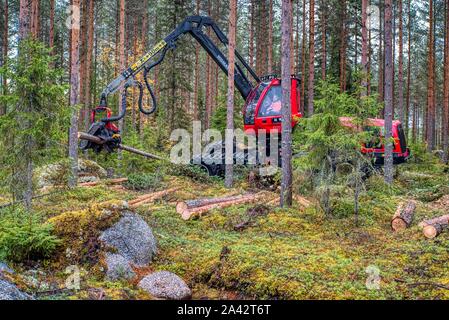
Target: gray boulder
(4, 268)
(165, 285)
(118, 267)
(132, 238)
(9, 291)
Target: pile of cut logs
(403, 218)
(196, 208)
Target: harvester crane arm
(193, 25)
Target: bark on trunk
(343, 49)
(121, 51)
(197, 73)
(270, 38)
(286, 185)
(34, 23)
(409, 51)
(230, 97)
(388, 167)
(311, 58)
(24, 19)
(51, 38)
(403, 216)
(323, 39)
(445, 114)
(365, 75)
(3, 108)
(401, 67)
(430, 131)
(303, 59)
(74, 100)
(88, 66)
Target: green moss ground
(292, 253)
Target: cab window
(252, 104)
(272, 103)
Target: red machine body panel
(263, 107)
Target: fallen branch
(94, 139)
(150, 197)
(13, 203)
(190, 204)
(194, 212)
(403, 216)
(301, 201)
(107, 182)
(433, 227)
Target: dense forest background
(189, 85)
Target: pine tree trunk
(292, 46)
(430, 134)
(3, 108)
(51, 38)
(270, 38)
(74, 99)
(83, 47)
(401, 67)
(297, 54)
(311, 58)
(388, 93)
(381, 58)
(24, 19)
(34, 23)
(121, 53)
(343, 48)
(445, 114)
(251, 35)
(323, 39)
(230, 97)
(365, 75)
(88, 66)
(286, 185)
(197, 73)
(303, 58)
(409, 53)
(369, 64)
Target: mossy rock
(58, 173)
(80, 231)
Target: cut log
(433, 230)
(150, 197)
(194, 212)
(403, 216)
(107, 182)
(97, 140)
(189, 204)
(437, 220)
(433, 227)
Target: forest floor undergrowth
(296, 253)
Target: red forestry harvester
(262, 110)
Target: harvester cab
(262, 110)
